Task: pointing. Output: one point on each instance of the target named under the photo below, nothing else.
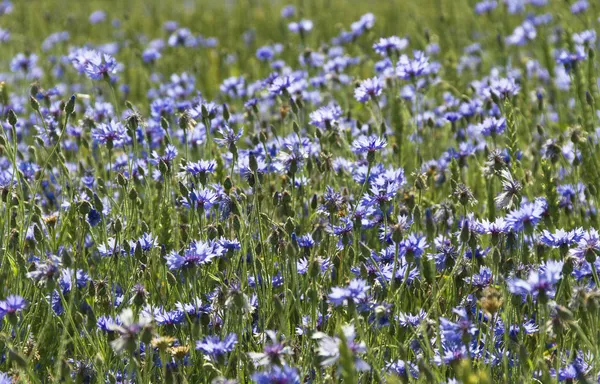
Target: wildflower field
(318, 192)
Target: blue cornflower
(481, 279)
(277, 375)
(329, 348)
(326, 117)
(97, 17)
(380, 195)
(274, 352)
(402, 369)
(200, 167)
(110, 248)
(6, 379)
(54, 39)
(452, 116)
(12, 305)
(522, 34)
(410, 320)
(368, 89)
(107, 323)
(344, 228)
(504, 87)
(570, 59)
(214, 347)
(150, 55)
(170, 153)
(561, 238)
(588, 246)
(492, 126)
(288, 11)
(99, 65)
(230, 244)
(485, 6)
(230, 138)
(265, 53)
(526, 217)
(354, 292)
(408, 69)
(585, 37)
(579, 6)
(301, 27)
(163, 317)
(414, 245)
(305, 241)
(371, 143)
(540, 282)
(280, 85)
(147, 242)
(457, 331)
(94, 217)
(201, 198)
(388, 45)
(182, 37)
(198, 253)
(113, 133)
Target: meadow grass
(250, 203)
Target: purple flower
(485, 6)
(354, 292)
(481, 279)
(522, 34)
(588, 245)
(504, 88)
(170, 153)
(280, 85)
(214, 347)
(95, 64)
(97, 17)
(525, 217)
(408, 69)
(112, 133)
(579, 6)
(371, 143)
(12, 305)
(368, 89)
(561, 238)
(277, 375)
(326, 117)
(229, 137)
(492, 126)
(198, 253)
(388, 45)
(329, 348)
(301, 27)
(570, 59)
(540, 282)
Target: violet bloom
(113, 134)
(12, 305)
(301, 27)
(198, 253)
(214, 347)
(389, 45)
(372, 143)
(277, 375)
(409, 69)
(329, 348)
(355, 292)
(368, 89)
(561, 238)
(325, 117)
(539, 283)
(128, 329)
